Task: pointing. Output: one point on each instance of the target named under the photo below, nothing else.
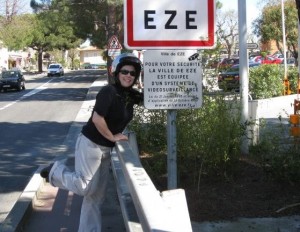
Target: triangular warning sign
(114, 43)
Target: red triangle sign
(114, 43)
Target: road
(33, 126)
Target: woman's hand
(118, 137)
(101, 126)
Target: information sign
(172, 79)
(114, 52)
(252, 45)
(166, 24)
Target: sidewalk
(56, 210)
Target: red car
(266, 60)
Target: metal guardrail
(144, 208)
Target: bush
(293, 78)
(266, 81)
(208, 139)
(75, 64)
(150, 129)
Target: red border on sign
(171, 43)
(114, 38)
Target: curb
(24, 205)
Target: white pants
(89, 179)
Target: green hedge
(208, 139)
(266, 81)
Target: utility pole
(244, 85)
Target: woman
(112, 112)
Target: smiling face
(127, 76)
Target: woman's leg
(90, 217)
(87, 161)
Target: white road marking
(32, 92)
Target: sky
(22, 6)
(253, 8)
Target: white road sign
(172, 79)
(252, 45)
(166, 24)
(114, 52)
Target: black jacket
(115, 104)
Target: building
(90, 55)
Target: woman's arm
(102, 127)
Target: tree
(98, 21)
(298, 8)
(227, 30)
(40, 6)
(269, 25)
(208, 53)
(17, 33)
(15, 26)
(11, 8)
(91, 19)
(53, 30)
(72, 54)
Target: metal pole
(172, 149)
(244, 80)
(283, 39)
(110, 32)
(298, 59)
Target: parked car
(95, 66)
(265, 60)
(278, 56)
(12, 79)
(55, 70)
(228, 62)
(212, 63)
(230, 78)
(291, 62)
(86, 66)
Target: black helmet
(126, 59)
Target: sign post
(172, 78)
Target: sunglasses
(125, 72)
